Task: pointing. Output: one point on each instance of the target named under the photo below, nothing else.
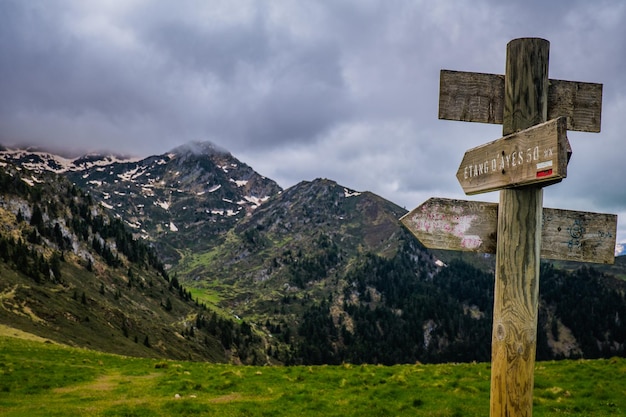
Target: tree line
(399, 312)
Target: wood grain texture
(580, 102)
(479, 97)
(461, 225)
(514, 338)
(525, 84)
(539, 154)
(516, 294)
(471, 97)
(441, 223)
(578, 236)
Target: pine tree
(55, 266)
(36, 219)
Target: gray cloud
(346, 89)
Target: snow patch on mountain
(44, 161)
(146, 191)
(31, 181)
(349, 193)
(134, 225)
(256, 200)
(132, 174)
(163, 204)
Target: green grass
(45, 379)
(205, 296)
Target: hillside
(294, 252)
(331, 275)
(75, 275)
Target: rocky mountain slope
(183, 200)
(71, 273)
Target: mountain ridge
(321, 273)
(196, 190)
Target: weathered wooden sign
(526, 159)
(538, 154)
(578, 236)
(441, 223)
(476, 97)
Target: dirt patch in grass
(104, 383)
(235, 396)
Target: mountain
(183, 200)
(39, 160)
(320, 273)
(309, 233)
(75, 275)
(331, 275)
(296, 251)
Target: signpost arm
(519, 241)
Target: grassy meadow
(39, 378)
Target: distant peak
(200, 148)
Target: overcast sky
(346, 90)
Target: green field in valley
(39, 378)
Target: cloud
(346, 89)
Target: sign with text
(461, 225)
(536, 155)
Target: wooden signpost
(533, 153)
(460, 225)
(536, 155)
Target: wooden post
(521, 99)
(514, 337)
